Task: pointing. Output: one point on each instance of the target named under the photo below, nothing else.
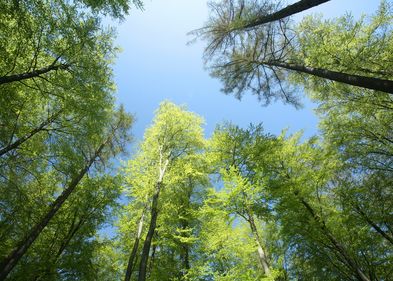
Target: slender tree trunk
(32, 74)
(261, 253)
(12, 259)
(186, 260)
(153, 255)
(184, 251)
(336, 244)
(26, 137)
(153, 219)
(185, 255)
(149, 237)
(133, 256)
(289, 10)
(377, 84)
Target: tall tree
(305, 187)
(115, 130)
(244, 195)
(261, 58)
(65, 248)
(173, 138)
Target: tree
(225, 248)
(56, 104)
(315, 217)
(243, 195)
(117, 129)
(66, 248)
(261, 58)
(57, 110)
(173, 139)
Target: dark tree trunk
(32, 74)
(153, 255)
(26, 137)
(185, 251)
(132, 260)
(149, 237)
(289, 10)
(186, 258)
(358, 273)
(12, 259)
(377, 84)
(133, 256)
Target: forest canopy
(237, 204)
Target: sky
(157, 64)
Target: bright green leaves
(166, 177)
(346, 44)
(174, 132)
(57, 115)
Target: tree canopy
(239, 204)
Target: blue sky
(156, 64)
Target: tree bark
(186, 258)
(133, 256)
(261, 253)
(153, 218)
(12, 259)
(31, 74)
(289, 10)
(377, 84)
(150, 233)
(26, 137)
(336, 244)
(153, 255)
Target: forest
(239, 204)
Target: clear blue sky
(157, 64)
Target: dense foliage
(241, 204)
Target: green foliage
(52, 124)
(243, 205)
(169, 155)
(263, 59)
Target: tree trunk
(150, 233)
(186, 258)
(153, 255)
(377, 84)
(32, 74)
(26, 137)
(289, 10)
(184, 252)
(261, 253)
(133, 256)
(12, 259)
(336, 244)
(184, 221)
(153, 218)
